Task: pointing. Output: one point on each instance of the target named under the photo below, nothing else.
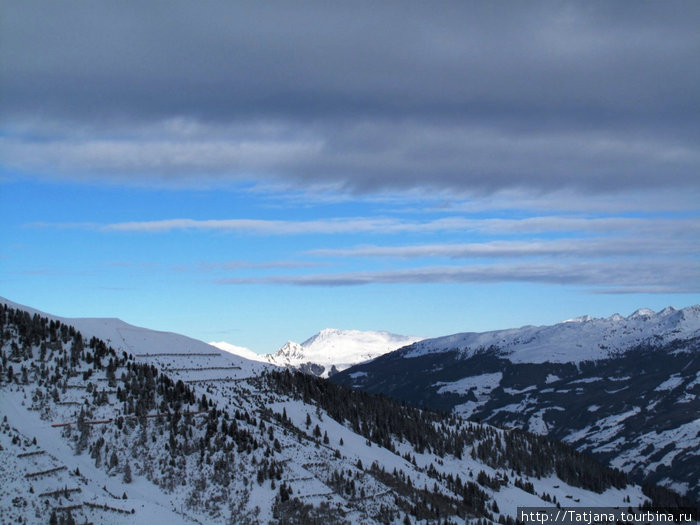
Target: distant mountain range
(623, 389)
(329, 351)
(581, 339)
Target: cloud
(278, 227)
(633, 199)
(156, 158)
(222, 60)
(596, 247)
(689, 227)
(375, 157)
(648, 276)
(476, 98)
(240, 265)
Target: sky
(254, 172)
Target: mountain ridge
(595, 336)
(624, 389)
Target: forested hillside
(623, 390)
(90, 432)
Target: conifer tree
(127, 473)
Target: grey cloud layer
(220, 59)
(606, 255)
(381, 156)
(473, 97)
(606, 247)
(601, 277)
(689, 227)
(603, 254)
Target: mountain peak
(333, 347)
(641, 313)
(290, 350)
(325, 334)
(669, 310)
(580, 319)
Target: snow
(687, 398)
(586, 380)
(515, 392)
(681, 488)
(508, 499)
(572, 341)
(537, 425)
(683, 438)
(695, 381)
(241, 351)
(605, 428)
(481, 384)
(307, 461)
(339, 348)
(672, 382)
(642, 313)
(616, 390)
(142, 495)
(290, 352)
(581, 319)
(154, 346)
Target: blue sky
(216, 172)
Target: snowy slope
(258, 443)
(241, 351)
(152, 345)
(581, 339)
(29, 445)
(623, 389)
(333, 350)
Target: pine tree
(113, 460)
(127, 473)
(98, 457)
(84, 429)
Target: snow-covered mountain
(623, 389)
(154, 344)
(329, 351)
(180, 432)
(581, 339)
(332, 350)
